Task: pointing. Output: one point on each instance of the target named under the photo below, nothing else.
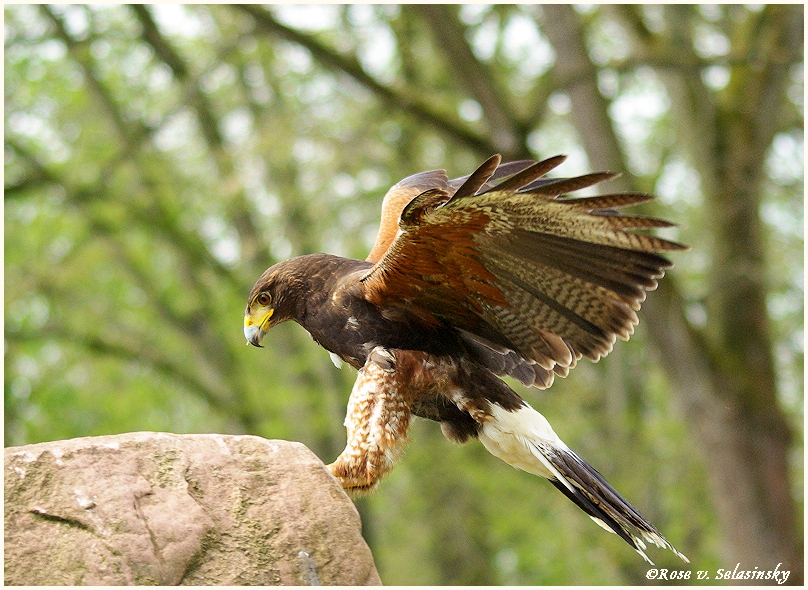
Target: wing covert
(396, 199)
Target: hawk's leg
(376, 421)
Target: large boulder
(167, 509)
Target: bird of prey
(496, 273)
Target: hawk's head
(271, 302)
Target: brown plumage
(496, 273)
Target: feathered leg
(377, 422)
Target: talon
(360, 491)
(354, 487)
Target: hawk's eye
(263, 299)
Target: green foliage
(158, 158)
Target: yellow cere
(248, 321)
(265, 320)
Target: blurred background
(159, 158)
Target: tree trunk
(726, 382)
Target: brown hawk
(495, 273)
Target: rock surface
(168, 509)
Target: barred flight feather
(628, 275)
(477, 179)
(607, 201)
(504, 361)
(513, 210)
(560, 186)
(528, 175)
(503, 171)
(584, 337)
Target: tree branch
(473, 75)
(131, 135)
(166, 52)
(350, 66)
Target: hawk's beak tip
(254, 334)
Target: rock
(168, 509)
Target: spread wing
(533, 279)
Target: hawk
(498, 273)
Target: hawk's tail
(524, 439)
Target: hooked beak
(254, 331)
